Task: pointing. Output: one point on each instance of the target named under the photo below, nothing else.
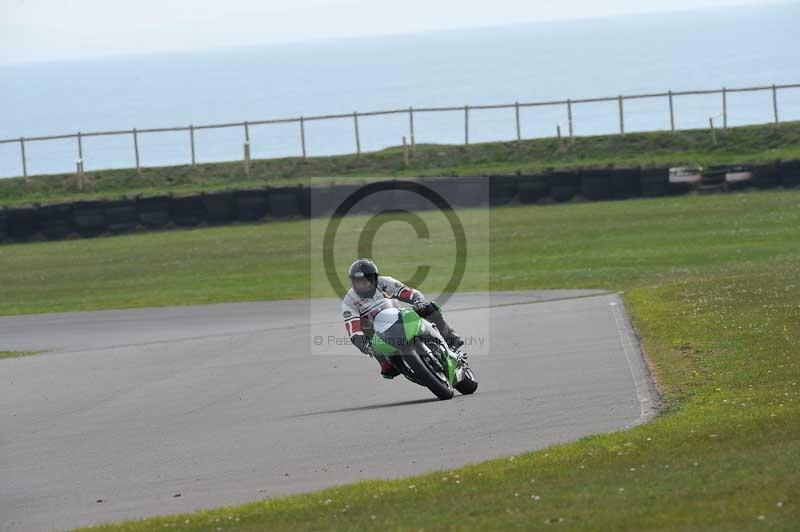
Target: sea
(700, 49)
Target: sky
(47, 30)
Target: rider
(368, 291)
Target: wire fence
(468, 112)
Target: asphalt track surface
(227, 403)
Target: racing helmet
(363, 275)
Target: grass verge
(712, 286)
(735, 145)
(17, 354)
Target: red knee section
(387, 370)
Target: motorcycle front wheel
(424, 375)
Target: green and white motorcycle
(419, 352)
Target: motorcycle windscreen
(394, 329)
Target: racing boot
(432, 312)
(453, 340)
(388, 371)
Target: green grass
(713, 287)
(17, 354)
(613, 245)
(736, 145)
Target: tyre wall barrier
(340, 193)
(677, 189)
(503, 189)
(470, 192)
(305, 200)
(596, 183)
(626, 182)
(56, 221)
(23, 224)
(153, 212)
(121, 215)
(766, 175)
(739, 176)
(714, 175)
(219, 207)
(392, 197)
(90, 218)
(3, 226)
(533, 188)
(654, 181)
(284, 202)
(790, 173)
(443, 186)
(564, 184)
(187, 211)
(403, 199)
(299, 198)
(93, 218)
(251, 205)
(683, 179)
(316, 201)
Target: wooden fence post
(303, 135)
(411, 131)
(724, 108)
(519, 129)
(191, 140)
(24, 162)
(671, 113)
(569, 116)
(247, 159)
(246, 148)
(466, 125)
(775, 103)
(405, 153)
(713, 132)
(558, 133)
(79, 174)
(79, 163)
(358, 135)
(136, 151)
(621, 117)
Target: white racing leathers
(354, 308)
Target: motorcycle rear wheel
(468, 385)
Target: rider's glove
(362, 342)
(421, 306)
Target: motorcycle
(420, 355)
